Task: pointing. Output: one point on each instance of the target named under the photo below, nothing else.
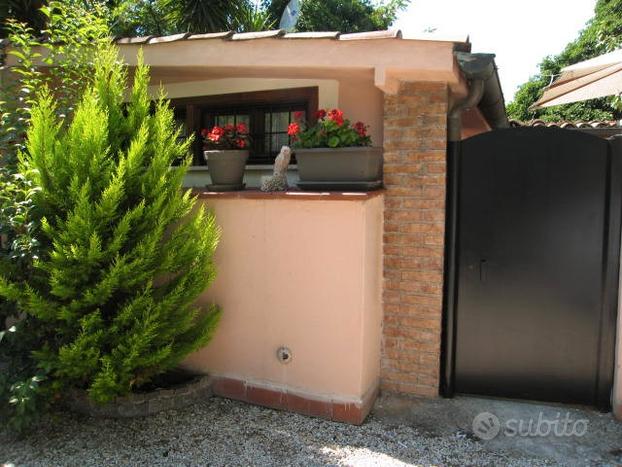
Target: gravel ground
(224, 432)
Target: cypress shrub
(125, 252)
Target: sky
(521, 33)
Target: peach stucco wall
(300, 273)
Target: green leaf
(333, 141)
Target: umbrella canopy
(598, 77)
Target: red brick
(420, 299)
(391, 226)
(321, 409)
(415, 203)
(415, 176)
(230, 388)
(347, 412)
(422, 276)
(406, 215)
(266, 397)
(298, 404)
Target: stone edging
(143, 404)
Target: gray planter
(342, 165)
(226, 169)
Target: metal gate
(532, 265)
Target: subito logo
(486, 426)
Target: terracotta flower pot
(226, 169)
(350, 167)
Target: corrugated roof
(568, 124)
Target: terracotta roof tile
(211, 35)
(275, 34)
(568, 124)
(390, 34)
(247, 36)
(134, 40)
(312, 35)
(172, 38)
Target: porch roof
(383, 58)
(386, 57)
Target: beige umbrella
(598, 77)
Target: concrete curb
(142, 404)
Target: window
(267, 114)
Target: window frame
(257, 101)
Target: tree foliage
(347, 16)
(340, 15)
(23, 11)
(603, 33)
(162, 17)
(73, 33)
(125, 252)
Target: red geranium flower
(361, 129)
(216, 133)
(293, 129)
(226, 137)
(336, 116)
(320, 114)
(299, 115)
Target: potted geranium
(333, 153)
(226, 152)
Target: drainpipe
(454, 118)
(484, 91)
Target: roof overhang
(383, 56)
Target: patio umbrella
(598, 77)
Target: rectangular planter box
(346, 165)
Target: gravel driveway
(224, 432)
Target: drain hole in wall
(284, 355)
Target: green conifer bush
(125, 252)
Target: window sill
(291, 194)
(249, 168)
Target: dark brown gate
(533, 259)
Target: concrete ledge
(291, 194)
(198, 176)
(283, 399)
(142, 404)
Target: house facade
(377, 309)
(330, 297)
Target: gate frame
(611, 264)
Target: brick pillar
(415, 138)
